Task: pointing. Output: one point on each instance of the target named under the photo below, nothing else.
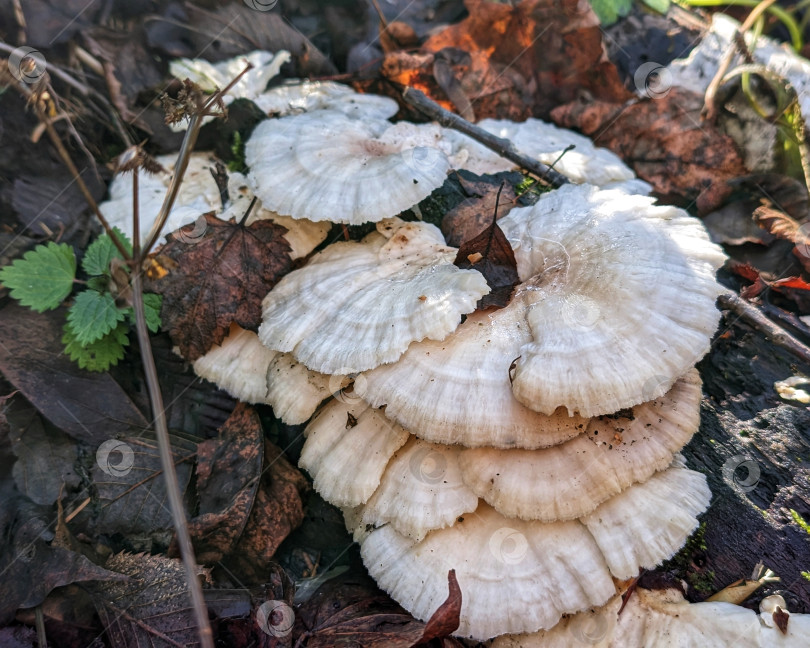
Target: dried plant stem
(760, 322)
(502, 147)
(167, 464)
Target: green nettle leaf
(92, 316)
(151, 310)
(101, 251)
(43, 277)
(99, 355)
(661, 6)
(609, 11)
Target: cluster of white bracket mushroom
(532, 449)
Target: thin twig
(502, 147)
(167, 464)
(709, 106)
(752, 316)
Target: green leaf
(609, 11)
(101, 251)
(151, 308)
(661, 6)
(99, 355)
(92, 316)
(43, 277)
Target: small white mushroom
(251, 372)
(357, 305)
(299, 96)
(569, 480)
(327, 166)
(421, 490)
(347, 449)
(618, 295)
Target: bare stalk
(502, 147)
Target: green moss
(702, 583)
(236, 163)
(798, 519)
(745, 433)
(806, 575)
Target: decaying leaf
(785, 227)
(664, 140)
(468, 219)
(219, 278)
(349, 610)
(491, 254)
(152, 607)
(228, 476)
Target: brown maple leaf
(218, 278)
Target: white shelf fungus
(569, 480)
(357, 305)
(216, 76)
(618, 294)
(251, 372)
(326, 165)
(295, 97)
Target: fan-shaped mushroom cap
(545, 142)
(327, 166)
(347, 449)
(294, 97)
(647, 523)
(251, 372)
(421, 490)
(458, 390)
(357, 305)
(516, 576)
(618, 295)
(571, 479)
(214, 76)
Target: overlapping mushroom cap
(295, 97)
(326, 165)
(357, 305)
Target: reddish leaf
(664, 140)
(218, 278)
(781, 618)
(491, 254)
(446, 618)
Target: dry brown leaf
(218, 278)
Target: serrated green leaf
(99, 355)
(99, 284)
(609, 11)
(101, 251)
(151, 310)
(661, 6)
(43, 277)
(92, 316)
